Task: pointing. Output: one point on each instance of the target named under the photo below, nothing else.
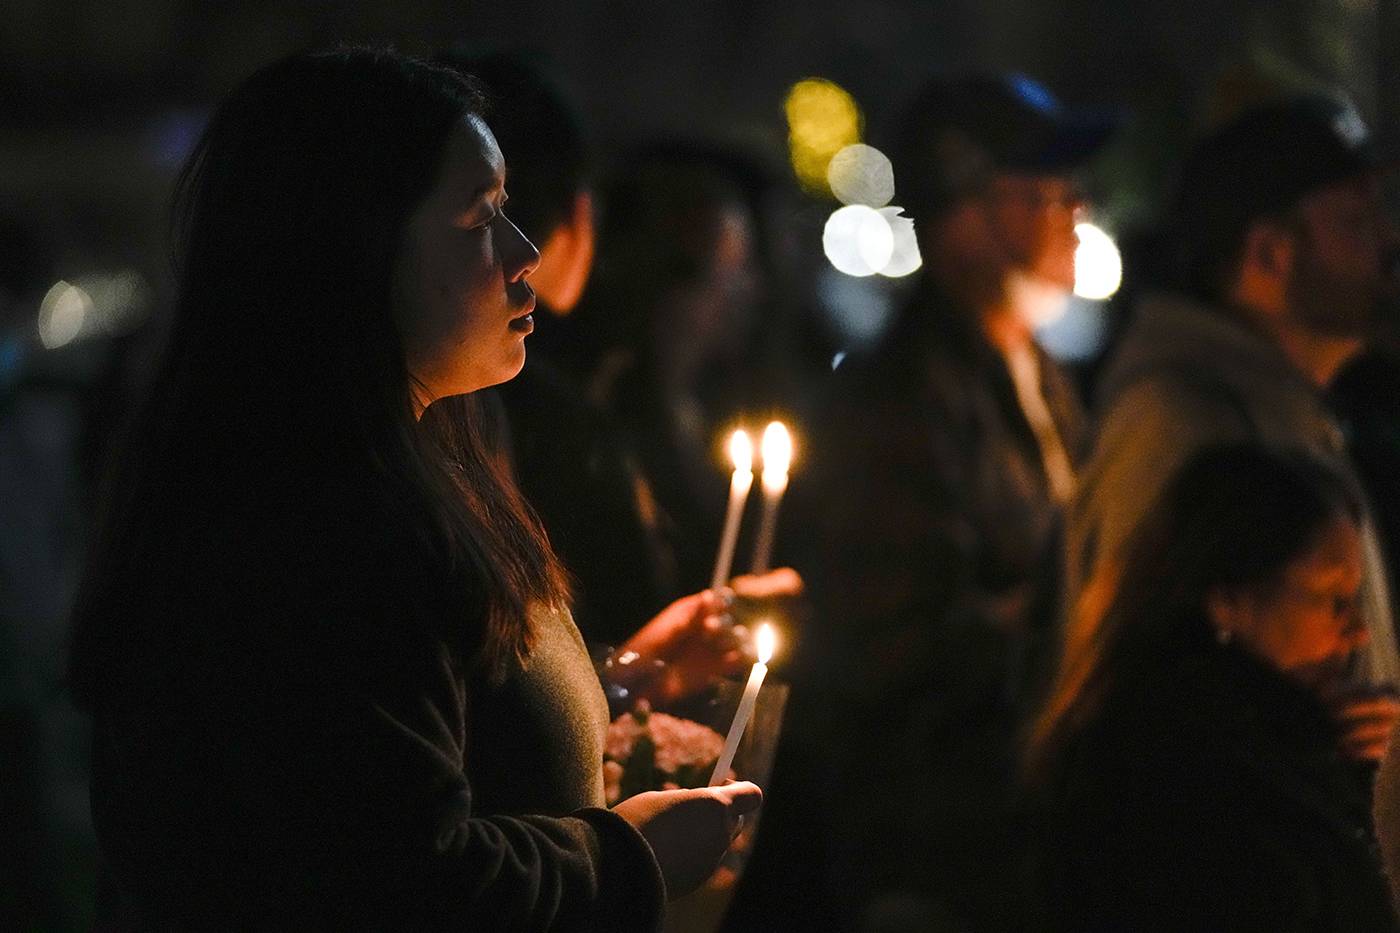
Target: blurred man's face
(1034, 217)
(1342, 272)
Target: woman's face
(463, 304)
(1306, 621)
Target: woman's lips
(525, 322)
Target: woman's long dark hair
(1234, 515)
(280, 419)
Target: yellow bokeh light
(822, 120)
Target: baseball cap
(962, 128)
(1271, 156)
(1262, 162)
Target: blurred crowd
(1094, 646)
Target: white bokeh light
(861, 174)
(904, 258)
(858, 240)
(62, 314)
(1098, 268)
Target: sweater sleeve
(424, 855)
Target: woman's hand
(1366, 721)
(689, 830)
(691, 643)
(783, 583)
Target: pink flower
(622, 735)
(684, 752)
(612, 782)
(682, 742)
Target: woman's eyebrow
(486, 190)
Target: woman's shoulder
(1214, 721)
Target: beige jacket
(1186, 377)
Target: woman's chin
(1324, 676)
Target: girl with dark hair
(1197, 763)
(327, 648)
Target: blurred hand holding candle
(741, 451)
(765, 644)
(777, 454)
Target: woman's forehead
(473, 164)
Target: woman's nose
(520, 257)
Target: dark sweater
(1210, 795)
(310, 770)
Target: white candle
(777, 453)
(764, 644)
(742, 452)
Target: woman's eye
(475, 221)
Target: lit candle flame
(741, 451)
(777, 453)
(765, 641)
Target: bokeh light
(904, 257)
(861, 174)
(93, 305)
(822, 120)
(858, 310)
(62, 314)
(861, 241)
(1098, 267)
(120, 302)
(858, 240)
(1079, 334)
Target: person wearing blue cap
(944, 463)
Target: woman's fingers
(776, 583)
(689, 830)
(670, 628)
(1366, 723)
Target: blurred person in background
(1280, 254)
(670, 322)
(1199, 763)
(938, 480)
(327, 649)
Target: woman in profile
(334, 680)
(1199, 764)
